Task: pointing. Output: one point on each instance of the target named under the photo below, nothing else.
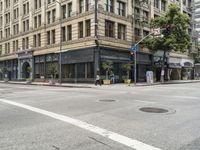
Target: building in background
(197, 17)
(197, 27)
(30, 36)
(181, 65)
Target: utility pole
(96, 51)
(135, 51)
(135, 55)
(60, 54)
(135, 68)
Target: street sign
(134, 48)
(156, 31)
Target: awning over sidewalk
(198, 64)
(187, 63)
(180, 62)
(174, 62)
(175, 65)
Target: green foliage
(53, 70)
(179, 39)
(197, 55)
(107, 66)
(29, 69)
(127, 68)
(5, 70)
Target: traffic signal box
(168, 29)
(131, 56)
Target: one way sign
(134, 48)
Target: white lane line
(186, 97)
(168, 96)
(144, 101)
(135, 144)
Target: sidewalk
(72, 85)
(169, 82)
(90, 85)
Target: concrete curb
(165, 83)
(183, 82)
(147, 84)
(71, 86)
(82, 86)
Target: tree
(29, 79)
(174, 26)
(127, 68)
(29, 70)
(107, 66)
(5, 71)
(53, 70)
(197, 55)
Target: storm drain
(107, 100)
(153, 110)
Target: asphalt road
(99, 118)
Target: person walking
(112, 77)
(98, 80)
(197, 76)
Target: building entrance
(25, 70)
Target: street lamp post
(60, 54)
(96, 60)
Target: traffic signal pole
(144, 38)
(135, 68)
(155, 32)
(135, 57)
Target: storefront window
(50, 69)
(81, 70)
(42, 66)
(48, 58)
(37, 59)
(84, 70)
(68, 71)
(42, 58)
(55, 57)
(1, 74)
(39, 70)
(39, 67)
(90, 70)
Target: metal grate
(153, 110)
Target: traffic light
(131, 56)
(168, 29)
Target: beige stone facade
(134, 18)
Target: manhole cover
(153, 110)
(107, 100)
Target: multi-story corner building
(37, 33)
(197, 27)
(197, 17)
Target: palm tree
(127, 68)
(53, 71)
(107, 66)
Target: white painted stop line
(135, 144)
